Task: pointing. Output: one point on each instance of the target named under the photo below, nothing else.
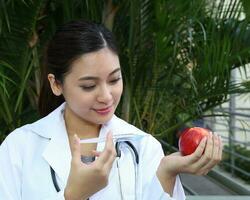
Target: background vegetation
(176, 56)
(242, 165)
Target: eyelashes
(92, 87)
(88, 88)
(115, 80)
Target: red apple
(190, 139)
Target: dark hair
(70, 41)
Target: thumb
(76, 154)
(96, 153)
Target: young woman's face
(93, 87)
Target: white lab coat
(28, 152)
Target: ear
(55, 86)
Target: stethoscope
(118, 145)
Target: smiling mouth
(104, 111)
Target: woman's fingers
(107, 156)
(211, 156)
(208, 153)
(221, 148)
(96, 153)
(109, 153)
(209, 148)
(216, 156)
(217, 148)
(90, 177)
(199, 150)
(76, 153)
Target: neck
(76, 125)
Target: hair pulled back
(70, 41)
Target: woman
(82, 86)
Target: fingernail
(110, 134)
(204, 139)
(76, 139)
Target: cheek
(79, 99)
(82, 105)
(86, 99)
(118, 91)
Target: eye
(88, 88)
(115, 80)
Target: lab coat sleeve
(178, 193)
(152, 189)
(58, 196)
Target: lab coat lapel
(57, 153)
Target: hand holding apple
(200, 162)
(190, 139)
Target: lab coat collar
(47, 126)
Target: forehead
(97, 63)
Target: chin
(104, 119)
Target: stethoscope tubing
(135, 154)
(53, 176)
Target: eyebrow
(95, 77)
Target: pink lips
(104, 111)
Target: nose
(105, 95)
